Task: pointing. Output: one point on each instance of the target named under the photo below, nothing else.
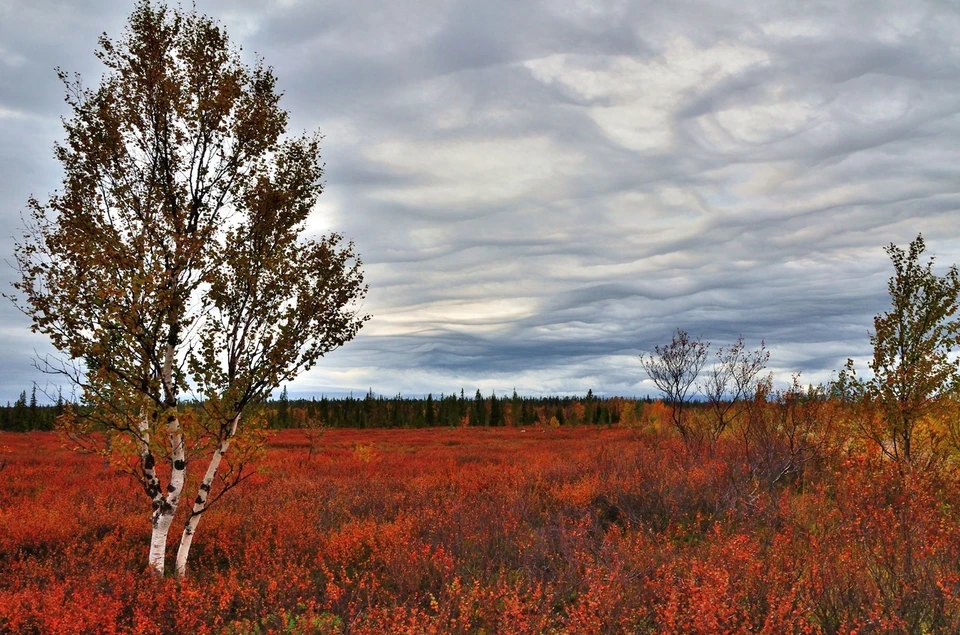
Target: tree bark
(203, 494)
(164, 506)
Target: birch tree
(732, 379)
(916, 370)
(913, 343)
(674, 368)
(914, 365)
(173, 261)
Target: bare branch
(674, 368)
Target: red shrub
(492, 530)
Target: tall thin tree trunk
(158, 538)
(165, 507)
(152, 485)
(200, 504)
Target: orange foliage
(512, 530)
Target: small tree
(312, 428)
(429, 416)
(731, 380)
(784, 430)
(496, 410)
(173, 260)
(283, 418)
(479, 415)
(674, 368)
(912, 344)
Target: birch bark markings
(203, 496)
(163, 503)
(165, 507)
(148, 465)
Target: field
(493, 530)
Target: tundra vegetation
(796, 514)
(172, 274)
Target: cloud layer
(543, 190)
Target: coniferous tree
(283, 409)
(479, 410)
(429, 419)
(19, 422)
(496, 410)
(516, 409)
(34, 416)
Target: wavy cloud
(542, 191)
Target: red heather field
(568, 530)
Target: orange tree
(173, 259)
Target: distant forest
(26, 414)
(375, 411)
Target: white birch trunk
(158, 541)
(148, 463)
(165, 506)
(200, 504)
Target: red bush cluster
(536, 530)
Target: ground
(465, 530)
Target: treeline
(374, 411)
(25, 414)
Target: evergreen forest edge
(28, 413)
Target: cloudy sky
(540, 191)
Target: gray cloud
(543, 190)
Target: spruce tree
(479, 410)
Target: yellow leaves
(655, 416)
(365, 453)
(579, 410)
